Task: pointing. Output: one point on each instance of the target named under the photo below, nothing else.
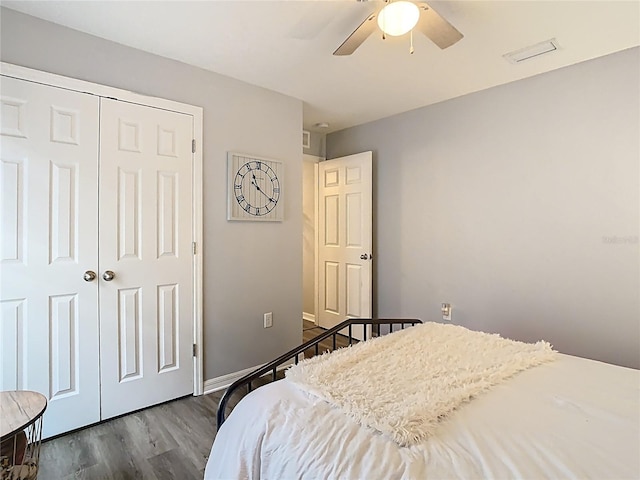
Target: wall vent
(532, 51)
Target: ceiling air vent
(533, 51)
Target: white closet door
(48, 203)
(146, 311)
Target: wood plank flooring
(168, 441)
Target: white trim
(316, 258)
(37, 76)
(59, 81)
(198, 269)
(220, 383)
(316, 160)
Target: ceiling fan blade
(358, 36)
(436, 28)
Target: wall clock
(254, 188)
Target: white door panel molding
(50, 253)
(344, 239)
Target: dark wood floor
(168, 441)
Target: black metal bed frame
(272, 366)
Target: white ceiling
(287, 46)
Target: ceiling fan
(420, 15)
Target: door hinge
(193, 146)
(195, 248)
(195, 350)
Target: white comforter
(573, 418)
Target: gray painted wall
(316, 144)
(519, 205)
(249, 268)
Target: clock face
(256, 188)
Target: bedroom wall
(519, 205)
(317, 143)
(264, 259)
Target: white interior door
(49, 314)
(344, 239)
(146, 232)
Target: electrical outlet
(446, 311)
(268, 320)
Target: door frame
(316, 161)
(54, 80)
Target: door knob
(364, 256)
(108, 275)
(89, 276)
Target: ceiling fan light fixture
(398, 18)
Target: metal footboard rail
(272, 366)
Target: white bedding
(403, 384)
(573, 418)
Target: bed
(566, 418)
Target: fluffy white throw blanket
(404, 383)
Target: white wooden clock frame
(234, 211)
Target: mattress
(572, 418)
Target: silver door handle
(108, 275)
(364, 256)
(89, 276)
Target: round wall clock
(255, 188)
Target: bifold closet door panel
(49, 207)
(146, 225)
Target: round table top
(19, 409)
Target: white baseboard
(310, 317)
(222, 382)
